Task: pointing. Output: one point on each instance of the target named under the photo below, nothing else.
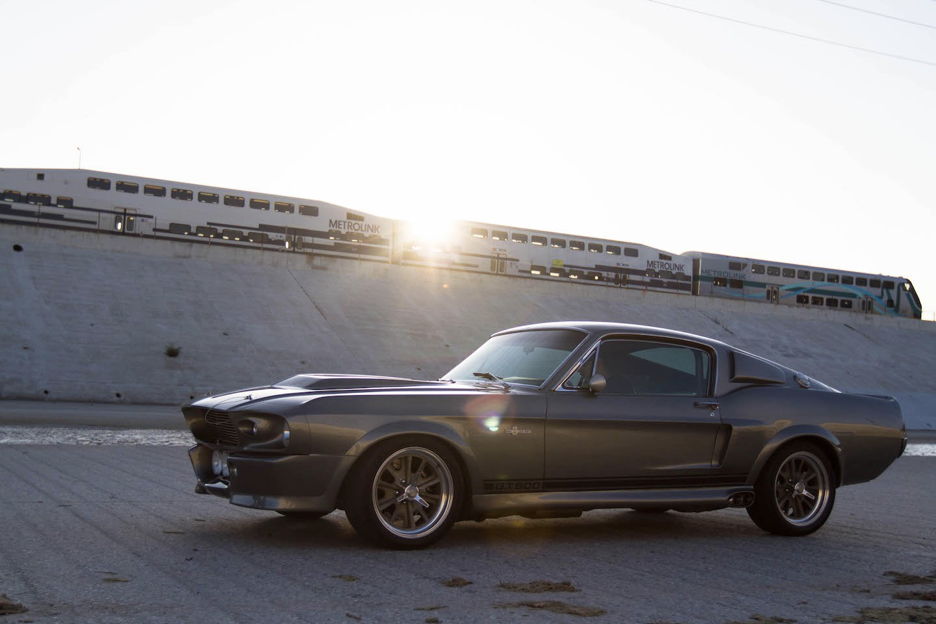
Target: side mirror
(597, 383)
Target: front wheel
(404, 494)
(795, 491)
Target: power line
(794, 34)
(893, 17)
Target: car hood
(316, 384)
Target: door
(773, 294)
(655, 423)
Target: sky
(631, 120)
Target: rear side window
(636, 367)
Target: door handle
(712, 405)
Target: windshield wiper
(492, 377)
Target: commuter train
(125, 205)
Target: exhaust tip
(741, 499)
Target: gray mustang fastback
(543, 421)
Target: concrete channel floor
(116, 534)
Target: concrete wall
(88, 317)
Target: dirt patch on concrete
(757, 618)
(902, 578)
(916, 595)
(539, 587)
(456, 581)
(555, 606)
(8, 607)
(347, 578)
(891, 615)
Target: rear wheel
(404, 494)
(795, 491)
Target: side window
(579, 379)
(651, 368)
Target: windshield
(521, 357)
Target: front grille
(223, 429)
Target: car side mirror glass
(597, 383)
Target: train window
(557, 272)
(558, 243)
(665, 256)
(888, 285)
(352, 216)
(773, 271)
(40, 176)
(758, 269)
(652, 273)
(183, 194)
(539, 241)
(802, 299)
(576, 273)
(284, 207)
(258, 237)
(309, 211)
(518, 238)
(180, 228)
(832, 278)
(802, 274)
(12, 196)
(64, 202)
(666, 275)
(735, 266)
(720, 282)
(127, 187)
(630, 252)
(234, 200)
(499, 235)
(154, 191)
(594, 276)
(875, 283)
(479, 232)
(789, 273)
(595, 247)
(259, 204)
(207, 232)
(613, 250)
(817, 301)
(39, 199)
(537, 269)
(100, 184)
(232, 234)
(735, 283)
(818, 277)
(831, 302)
(655, 283)
(207, 198)
(576, 245)
(848, 280)
(846, 304)
(861, 281)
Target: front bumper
(275, 482)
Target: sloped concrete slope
(89, 317)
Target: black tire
(387, 500)
(795, 491)
(304, 515)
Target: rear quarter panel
(865, 434)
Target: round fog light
(216, 463)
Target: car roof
(602, 328)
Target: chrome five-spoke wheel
(412, 492)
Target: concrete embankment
(89, 317)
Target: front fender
(803, 432)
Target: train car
(782, 283)
(522, 252)
(133, 206)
